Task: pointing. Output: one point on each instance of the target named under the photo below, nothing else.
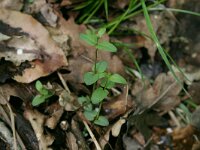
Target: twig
(12, 118)
(92, 136)
(63, 82)
(5, 116)
(173, 117)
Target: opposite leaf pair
(101, 80)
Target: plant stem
(95, 68)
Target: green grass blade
(106, 8)
(94, 11)
(176, 10)
(83, 5)
(162, 52)
(134, 62)
(156, 41)
(87, 11)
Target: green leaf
(101, 75)
(90, 37)
(90, 115)
(117, 79)
(38, 86)
(90, 78)
(88, 107)
(48, 95)
(100, 66)
(102, 121)
(37, 100)
(106, 46)
(44, 91)
(101, 32)
(82, 100)
(98, 95)
(107, 84)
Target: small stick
(63, 82)
(92, 136)
(12, 118)
(173, 117)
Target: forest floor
(46, 101)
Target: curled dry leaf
(37, 121)
(118, 105)
(162, 95)
(33, 42)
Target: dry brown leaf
(10, 4)
(37, 121)
(163, 31)
(53, 120)
(48, 14)
(13, 89)
(72, 141)
(118, 105)
(34, 7)
(162, 95)
(49, 56)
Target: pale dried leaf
(162, 95)
(10, 4)
(52, 57)
(37, 121)
(49, 15)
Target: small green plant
(43, 95)
(101, 80)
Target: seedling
(43, 95)
(101, 80)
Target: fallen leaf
(163, 31)
(130, 143)
(37, 121)
(10, 4)
(118, 105)
(162, 95)
(49, 57)
(48, 14)
(15, 89)
(72, 141)
(34, 7)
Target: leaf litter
(36, 40)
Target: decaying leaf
(114, 129)
(53, 120)
(66, 99)
(131, 144)
(10, 4)
(164, 32)
(32, 42)
(143, 122)
(71, 140)
(37, 121)
(118, 105)
(18, 90)
(162, 95)
(34, 7)
(49, 15)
